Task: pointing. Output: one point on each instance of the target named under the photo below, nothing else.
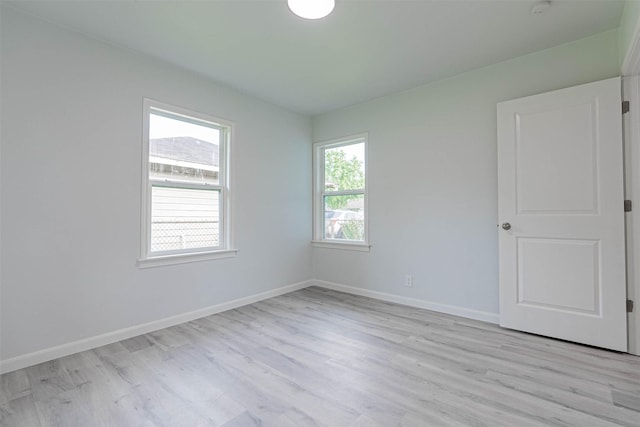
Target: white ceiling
(363, 50)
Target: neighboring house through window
(185, 212)
(340, 199)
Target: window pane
(344, 168)
(183, 151)
(344, 217)
(183, 218)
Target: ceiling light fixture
(311, 9)
(540, 7)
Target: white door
(561, 214)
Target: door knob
(506, 226)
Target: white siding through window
(184, 219)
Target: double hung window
(340, 200)
(185, 183)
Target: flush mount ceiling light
(311, 9)
(540, 7)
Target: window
(340, 199)
(185, 186)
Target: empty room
(320, 213)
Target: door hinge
(625, 107)
(629, 305)
(628, 206)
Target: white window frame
(225, 249)
(319, 239)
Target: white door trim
(631, 93)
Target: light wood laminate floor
(325, 358)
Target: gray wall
(628, 23)
(71, 134)
(433, 179)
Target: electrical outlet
(408, 280)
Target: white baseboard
(67, 349)
(62, 350)
(412, 302)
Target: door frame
(631, 136)
(630, 71)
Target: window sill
(347, 246)
(159, 261)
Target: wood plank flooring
(317, 357)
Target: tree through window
(341, 190)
